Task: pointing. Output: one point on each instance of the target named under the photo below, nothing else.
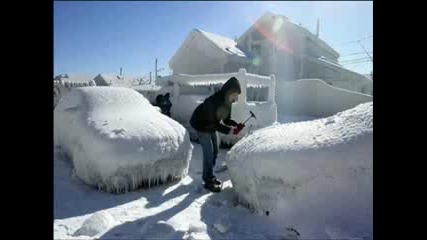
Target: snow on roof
(207, 80)
(225, 44)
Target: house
(75, 80)
(204, 53)
(292, 52)
(272, 45)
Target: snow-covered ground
(173, 211)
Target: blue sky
(100, 37)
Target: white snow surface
(317, 175)
(117, 141)
(182, 210)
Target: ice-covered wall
(314, 97)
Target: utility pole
(155, 70)
(150, 77)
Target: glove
(238, 128)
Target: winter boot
(213, 187)
(216, 181)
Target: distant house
(75, 80)
(63, 83)
(139, 84)
(272, 45)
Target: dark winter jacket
(164, 103)
(207, 116)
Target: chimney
(120, 71)
(317, 27)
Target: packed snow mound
(320, 170)
(98, 223)
(118, 141)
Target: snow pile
(96, 224)
(314, 97)
(310, 172)
(118, 141)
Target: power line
(356, 41)
(357, 59)
(372, 59)
(352, 54)
(357, 62)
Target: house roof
(227, 45)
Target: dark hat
(231, 85)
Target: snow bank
(314, 97)
(118, 141)
(310, 172)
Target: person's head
(167, 96)
(233, 97)
(232, 90)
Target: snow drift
(118, 141)
(315, 97)
(319, 171)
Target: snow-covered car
(118, 141)
(319, 170)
